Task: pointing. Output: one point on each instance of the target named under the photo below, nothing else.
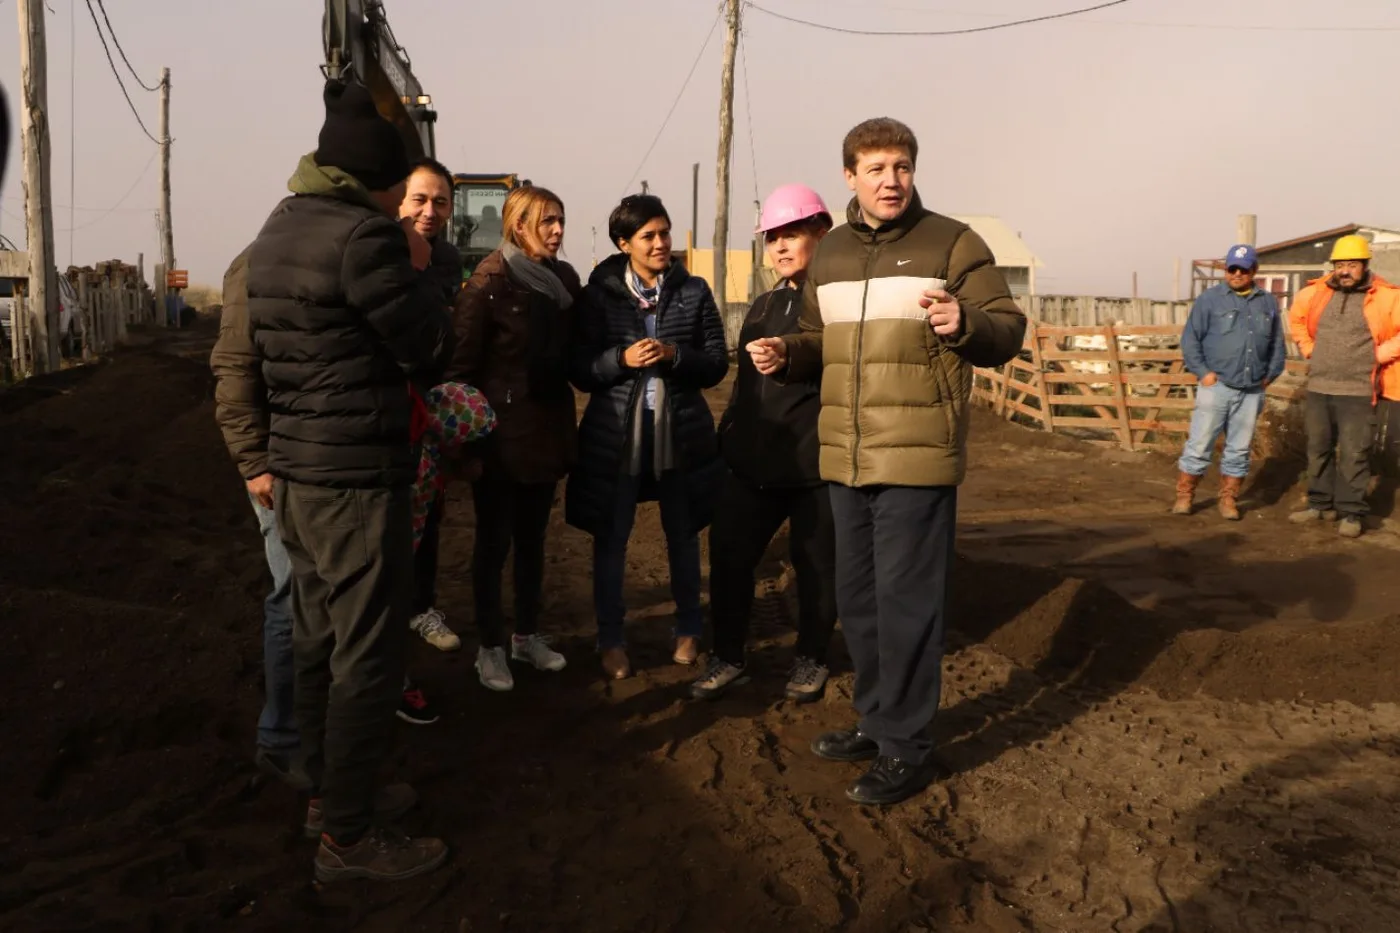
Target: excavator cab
(478, 202)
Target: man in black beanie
(343, 322)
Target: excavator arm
(360, 46)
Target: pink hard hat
(788, 205)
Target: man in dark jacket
(1233, 343)
(344, 322)
(900, 305)
(427, 204)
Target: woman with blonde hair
(513, 321)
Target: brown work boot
(392, 802)
(1185, 492)
(615, 664)
(1229, 494)
(687, 650)
(380, 855)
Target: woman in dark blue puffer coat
(650, 339)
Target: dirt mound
(1061, 626)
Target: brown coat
(513, 345)
(240, 396)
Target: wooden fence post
(1048, 411)
(1120, 395)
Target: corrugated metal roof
(1006, 244)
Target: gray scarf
(536, 275)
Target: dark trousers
(894, 547)
(509, 515)
(425, 560)
(745, 521)
(1341, 431)
(352, 586)
(682, 552)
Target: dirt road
(1149, 723)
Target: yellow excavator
(360, 46)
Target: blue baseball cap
(1241, 255)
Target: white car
(70, 319)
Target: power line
(122, 200)
(121, 51)
(940, 32)
(748, 110)
(116, 74)
(675, 103)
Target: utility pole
(646, 188)
(167, 235)
(726, 144)
(695, 204)
(41, 296)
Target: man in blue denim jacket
(1234, 345)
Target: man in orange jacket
(1348, 326)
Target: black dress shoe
(850, 745)
(890, 781)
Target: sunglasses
(1237, 269)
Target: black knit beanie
(357, 140)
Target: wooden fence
(1089, 311)
(106, 306)
(1124, 385)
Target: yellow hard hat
(1351, 248)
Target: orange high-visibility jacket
(1382, 310)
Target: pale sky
(1113, 142)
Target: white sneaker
(431, 626)
(494, 671)
(534, 649)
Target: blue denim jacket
(1239, 338)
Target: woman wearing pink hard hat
(768, 437)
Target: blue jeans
(277, 728)
(682, 550)
(1220, 408)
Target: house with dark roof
(1286, 267)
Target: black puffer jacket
(609, 320)
(342, 322)
(768, 434)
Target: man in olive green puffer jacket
(900, 305)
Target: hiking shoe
(431, 626)
(1349, 528)
(380, 855)
(807, 682)
(286, 767)
(1303, 516)
(414, 707)
(392, 802)
(719, 676)
(890, 781)
(534, 649)
(687, 650)
(495, 673)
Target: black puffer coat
(768, 434)
(609, 321)
(343, 323)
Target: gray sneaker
(1349, 528)
(1303, 516)
(807, 682)
(719, 676)
(493, 669)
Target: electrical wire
(116, 74)
(120, 201)
(120, 51)
(674, 104)
(72, 120)
(939, 32)
(748, 110)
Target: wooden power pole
(726, 144)
(42, 293)
(167, 235)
